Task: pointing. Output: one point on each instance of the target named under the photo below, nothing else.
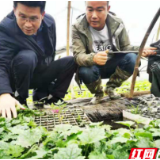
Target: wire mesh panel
(65, 116)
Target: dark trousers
(53, 79)
(126, 62)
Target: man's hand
(8, 106)
(149, 51)
(101, 58)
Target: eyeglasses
(31, 19)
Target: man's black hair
(107, 3)
(40, 4)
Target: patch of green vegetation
(135, 109)
(85, 93)
(139, 86)
(125, 87)
(20, 138)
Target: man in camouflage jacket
(91, 45)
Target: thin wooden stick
(68, 26)
(68, 45)
(138, 93)
(158, 32)
(141, 50)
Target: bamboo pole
(138, 93)
(158, 32)
(68, 26)
(141, 50)
(68, 39)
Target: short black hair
(40, 4)
(107, 3)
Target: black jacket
(13, 40)
(154, 70)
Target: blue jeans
(125, 62)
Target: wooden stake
(141, 50)
(68, 26)
(158, 32)
(68, 45)
(138, 93)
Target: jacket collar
(82, 24)
(9, 24)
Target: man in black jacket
(154, 70)
(27, 51)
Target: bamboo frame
(158, 32)
(68, 26)
(68, 45)
(141, 50)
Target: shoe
(54, 100)
(115, 81)
(96, 88)
(97, 99)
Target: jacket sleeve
(125, 41)
(6, 54)
(79, 50)
(52, 33)
(54, 37)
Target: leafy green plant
(79, 119)
(126, 123)
(20, 138)
(135, 109)
(60, 117)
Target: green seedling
(79, 119)
(135, 109)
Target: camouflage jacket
(82, 40)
